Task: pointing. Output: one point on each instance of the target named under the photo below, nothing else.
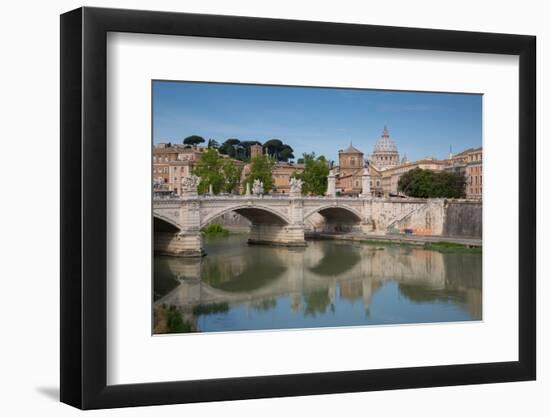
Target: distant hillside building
(349, 171)
(255, 151)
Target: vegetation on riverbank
(215, 230)
(169, 320)
(452, 247)
(438, 246)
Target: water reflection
(328, 283)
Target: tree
(193, 140)
(212, 143)
(221, 173)
(423, 183)
(231, 174)
(315, 174)
(209, 169)
(230, 147)
(260, 168)
(273, 147)
(286, 153)
(278, 150)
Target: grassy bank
(438, 246)
(452, 247)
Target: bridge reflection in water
(327, 283)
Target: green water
(329, 283)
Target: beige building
(282, 172)
(474, 174)
(470, 164)
(173, 162)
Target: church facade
(351, 163)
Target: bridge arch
(330, 211)
(164, 224)
(255, 213)
(333, 218)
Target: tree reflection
(265, 305)
(337, 260)
(317, 302)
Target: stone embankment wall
(463, 219)
(453, 218)
(424, 218)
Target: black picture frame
(84, 207)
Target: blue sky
(317, 119)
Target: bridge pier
(266, 234)
(187, 242)
(187, 245)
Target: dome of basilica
(385, 143)
(385, 154)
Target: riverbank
(442, 242)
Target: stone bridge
(283, 220)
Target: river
(329, 283)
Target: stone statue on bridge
(189, 184)
(296, 186)
(257, 187)
(331, 184)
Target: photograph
(294, 207)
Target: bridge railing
(232, 197)
(286, 197)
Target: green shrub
(215, 229)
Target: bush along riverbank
(169, 320)
(214, 230)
